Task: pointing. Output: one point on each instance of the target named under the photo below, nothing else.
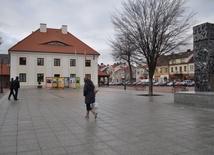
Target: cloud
(88, 20)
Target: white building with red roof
(49, 52)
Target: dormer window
(56, 43)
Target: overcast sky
(88, 20)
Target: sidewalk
(52, 122)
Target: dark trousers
(11, 93)
(88, 107)
(16, 93)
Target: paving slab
(44, 122)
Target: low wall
(204, 99)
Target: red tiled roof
(38, 42)
(100, 73)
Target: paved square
(52, 122)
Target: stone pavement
(52, 122)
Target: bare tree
(157, 27)
(124, 50)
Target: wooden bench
(140, 87)
(179, 88)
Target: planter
(39, 86)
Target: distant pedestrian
(16, 87)
(89, 94)
(11, 86)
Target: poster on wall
(66, 82)
(60, 82)
(49, 82)
(77, 82)
(72, 82)
(54, 82)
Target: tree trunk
(150, 85)
(130, 71)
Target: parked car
(163, 83)
(185, 82)
(156, 83)
(191, 84)
(169, 83)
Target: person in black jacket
(16, 87)
(89, 94)
(11, 86)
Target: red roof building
(50, 52)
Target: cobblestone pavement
(52, 122)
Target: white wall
(31, 69)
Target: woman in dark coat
(89, 94)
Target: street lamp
(124, 77)
(1, 87)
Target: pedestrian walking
(11, 86)
(89, 94)
(16, 87)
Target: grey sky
(88, 20)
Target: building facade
(178, 67)
(51, 52)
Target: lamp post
(124, 77)
(2, 59)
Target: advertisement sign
(77, 82)
(49, 82)
(60, 82)
(66, 82)
(54, 82)
(72, 82)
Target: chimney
(43, 28)
(64, 29)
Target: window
(185, 68)
(22, 61)
(156, 70)
(40, 61)
(191, 68)
(160, 70)
(176, 68)
(72, 62)
(56, 62)
(166, 70)
(22, 77)
(171, 69)
(40, 77)
(180, 69)
(88, 63)
(88, 75)
(56, 75)
(73, 75)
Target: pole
(124, 77)
(1, 88)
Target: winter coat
(88, 92)
(16, 84)
(11, 85)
